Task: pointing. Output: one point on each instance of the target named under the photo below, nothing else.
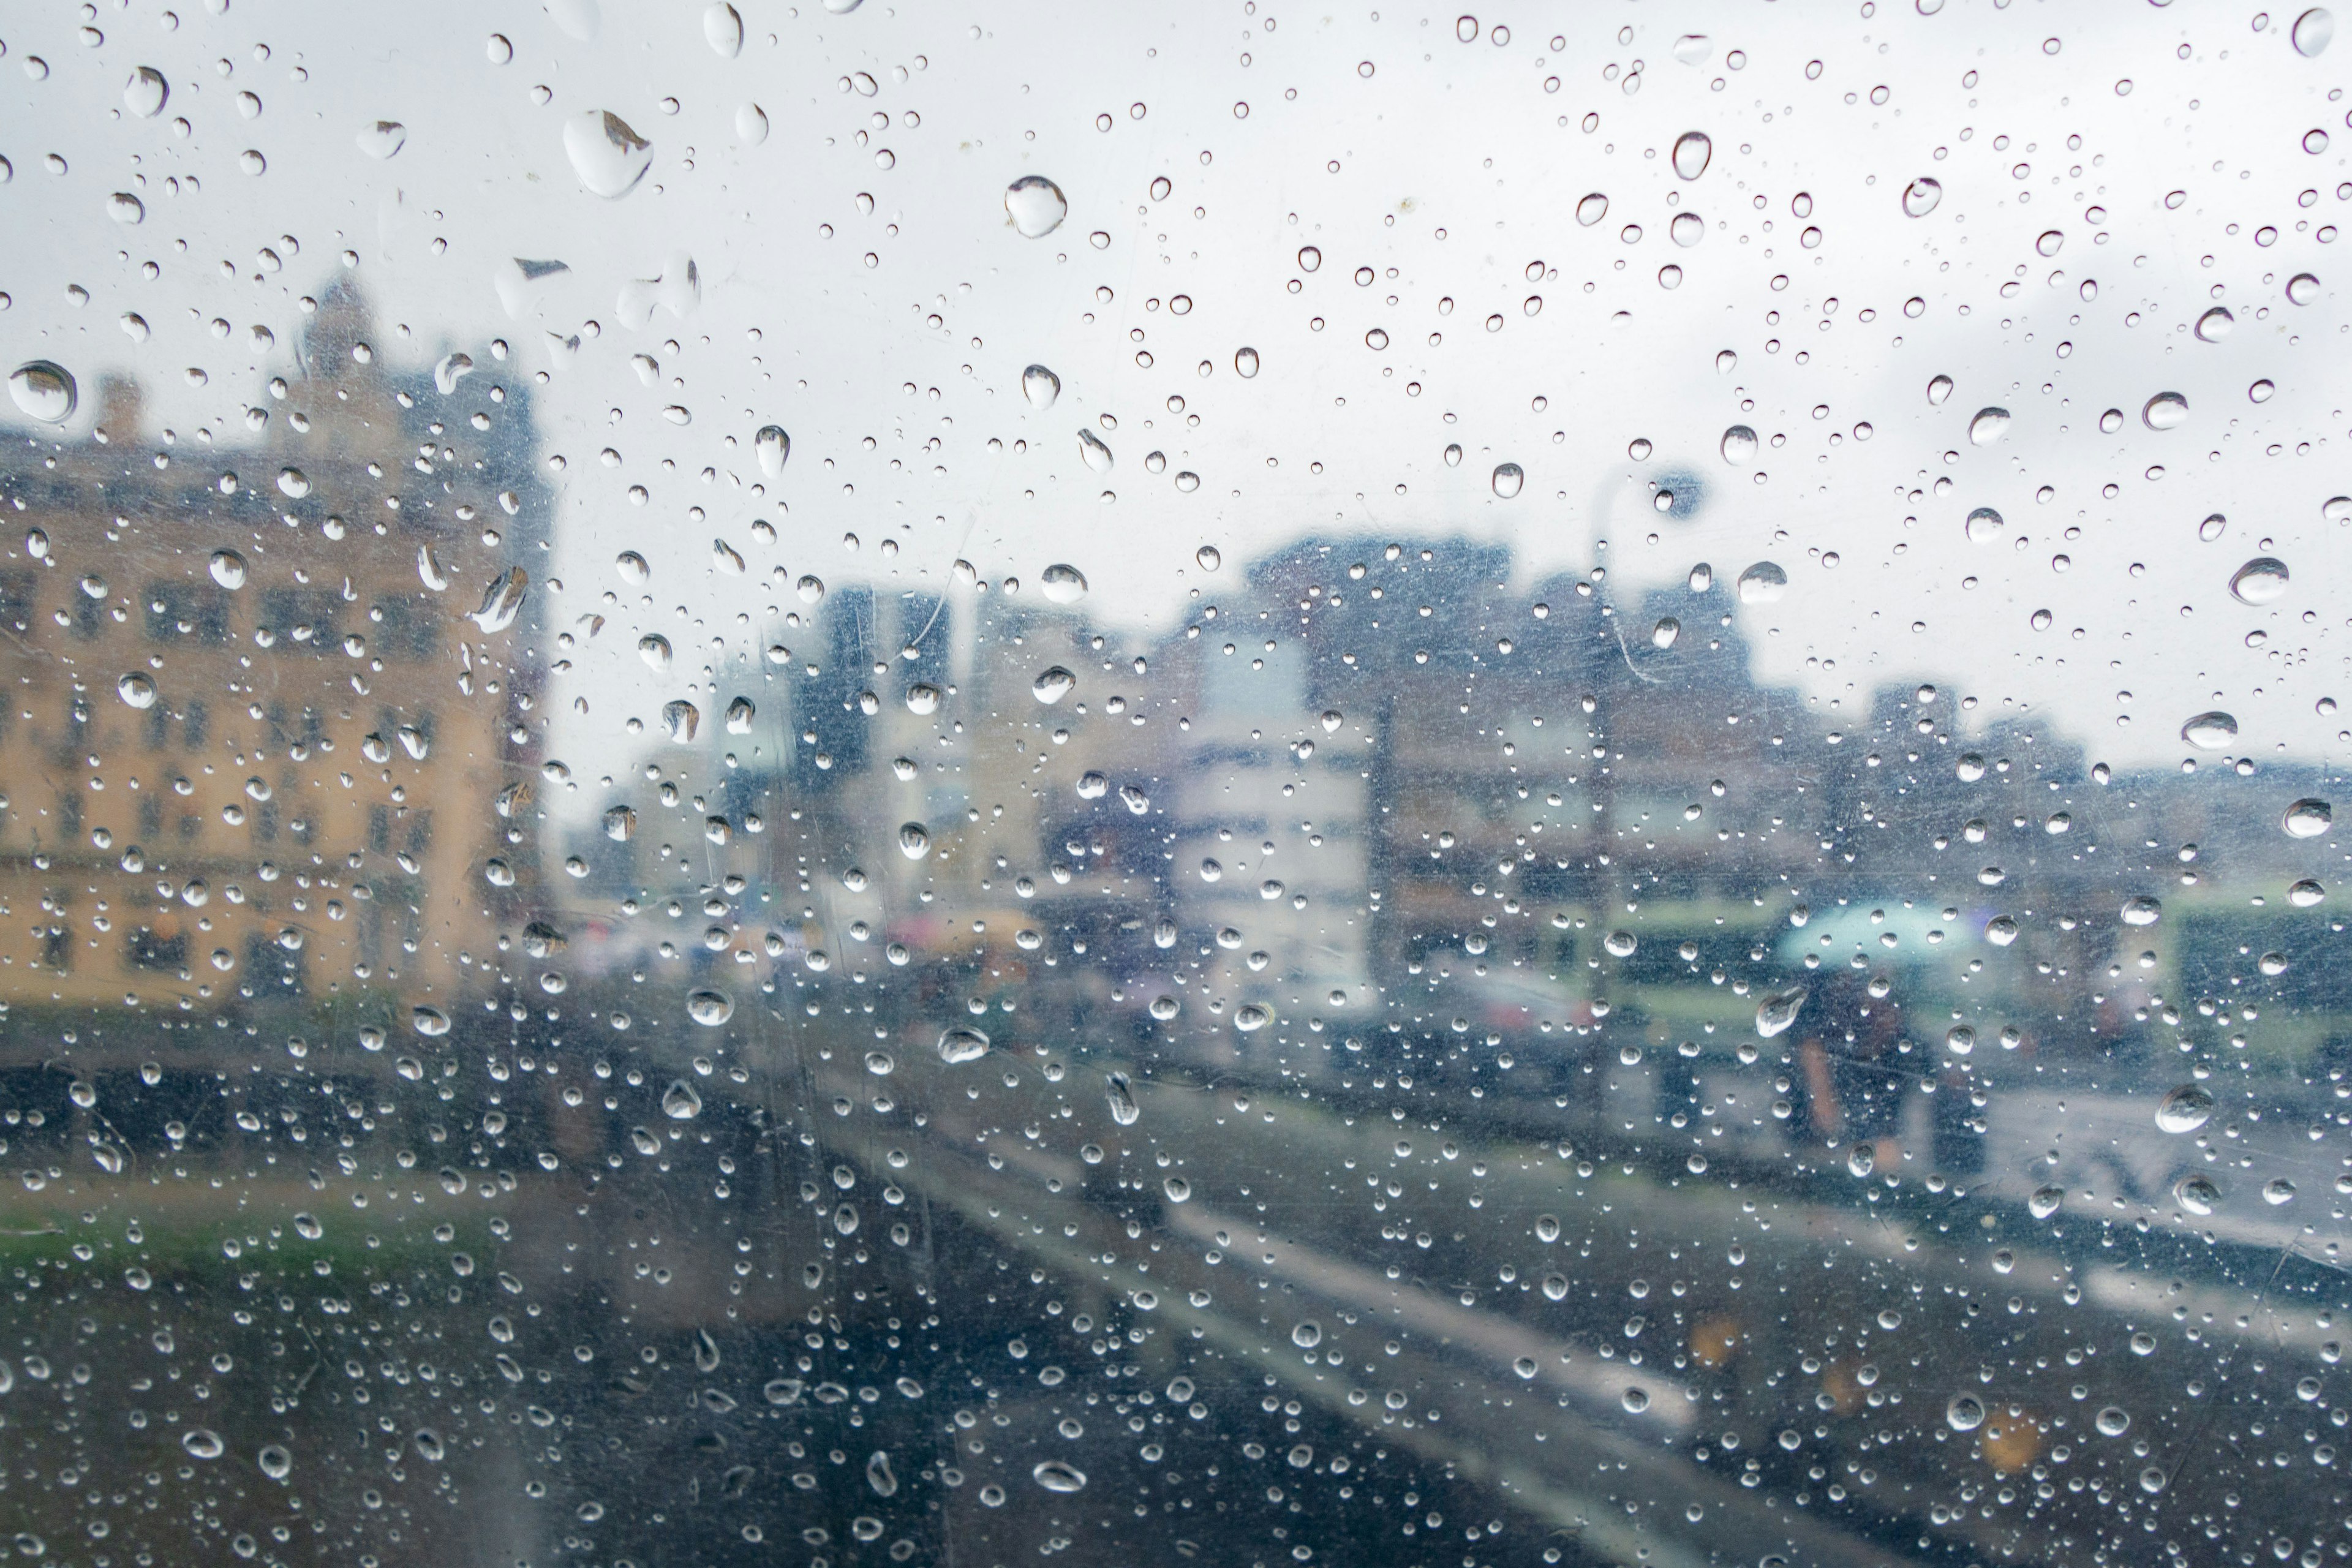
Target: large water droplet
(632, 568)
(2112, 1421)
(276, 1460)
(914, 840)
(1984, 526)
(1591, 209)
(1635, 1399)
(1693, 47)
(2312, 32)
(1209, 557)
(1245, 362)
(2210, 732)
(1036, 205)
(2308, 819)
(1096, 451)
(1062, 584)
(2044, 1202)
(1508, 478)
(203, 1443)
(1776, 1010)
(878, 1475)
(771, 447)
(136, 689)
(1692, 151)
(681, 719)
(2304, 894)
(44, 391)
(501, 600)
(963, 1044)
(1921, 196)
(1059, 1476)
(125, 208)
(1762, 583)
(2142, 910)
(1989, 425)
(681, 1101)
(722, 29)
(1054, 684)
(2214, 325)
(1123, 1109)
(1307, 1335)
(429, 1022)
(1687, 229)
(609, 157)
(2196, 1193)
(1040, 386)
(2302, 288)
(145, 93)
(381, 138)
(228, 569)
(1965, 1413)
(2259, 580)
(2185, 1108)
(2164, 411)
(653, 648)
(923, 699)
(620, 823)
(1939, 389)
(1739, 445)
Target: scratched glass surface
(850, 785)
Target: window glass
(832, 783)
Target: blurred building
(251, 739)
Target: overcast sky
(890, 342)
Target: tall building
(254, 725)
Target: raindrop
(1040, 386)
(1692, 151)
(2113, 1421)
(914, 840)
(1123, 1109)
(1762, 583)
(771, 447)
(1309, 259)
(1693, 47)
(810, 588)
(2185, 1108)
(1096, 451)
(1508, 478)
(722, 29)
(1776, 1010)
(276, 1462)
(1209, 557)
(1307, 1335)
(1620, 943)
(2210, 732)
(1985, 526)
(1054, 684)
(2302, 895)
(2278, 1190)
(381, 138)
(963, 1044)
(1939, 390)
(1465, 28)
(681, 1101)
(2302, 288)
(2308, 819)
(2197, 1193)
(2164, 411)
(125, 208)
(1251, 1017)
(681, 719)
(429, 1447)
(1687, 229)
(501, 599)
(2213, 528)
(1739, 446)
(1862, 1159)
(653, 648)
(430, 1022)
(1092, 785)
(2259, 580)
(44, 391)
(2214, 325)
(1064, 585)
(710, 1008)
(2312, 31)
(1592, 209)
(1966, 1412)
(621, 824)
(1702, 578)
(145, 92)
(1245, 362)
(1036, 206)
(1059, 1476)
(2044, 1202)
(922, 699)
(1921, 196)
(609, 157)
(1664, 634)
(203, 1443)
(1635, 1399)
(1989, 425)
(1178, 1189)
(136, 690)
(750, 124)
(881, 1064)
(2145, 910)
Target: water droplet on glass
(1692, 151)
(1635, 1399)
(1123, 1109)
(2197, 1193)
(228, 569)
(429, 1022)
(681, 719)
(125, 208)
(1939, 389)
(1966, 1412)
(1251, 1017)
(276, 1461)
(1739, 445)
(136, 690)
(2260, 581)
(2185, 1108)
(914, 840)
(1059, 1476)
(963, 1044)
(771, 447)
(620, 823)
(2210, 732)
(1862, 1159)
(203, 1443)
(1620, 943)
(1054, 684)
(2164, 411)
(1307, 1335)
(1687, 229)
(923, 699)
(1693, 47)
(1776, 1010)
(1245, 362)
(145, 93)
(681, 1101)
(1209, 557)
(1096, 451)
(501, 599)
(608, 157)
(722, 29)
(1989, 425)
(2302, 288)
(2308, 819)
(381, 138)
(2213, 528)
(810, 588)
(1036, 205)
(2302, 895)
(1040, 386)
(1762, 583)
(1985, 526)
(1064, 585)
(878, 1475)
(632, 567)
(1664, 634)
(1508, 478)
(44, 391)
(2312, 32)
(2044, 1202)
(1591, 209)
(1921, 196)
